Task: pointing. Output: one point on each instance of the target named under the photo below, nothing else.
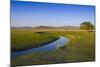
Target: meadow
(26, 39)
(80, 48)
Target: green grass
(25, 39)
(80, 48)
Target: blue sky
(50, 14)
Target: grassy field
(25, 39)
(80, 48)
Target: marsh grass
(80, 48)
(25, 39)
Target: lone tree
(86, 26)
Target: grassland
(80, 48)
(25, 39)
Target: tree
(86, 26)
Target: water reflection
(49, 47)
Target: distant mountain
(44, 27)
(57, 27)
(49, 27)
(69, 27)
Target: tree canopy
(86, 26)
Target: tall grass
(25, 39)
(80, 48)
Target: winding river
(49, 47)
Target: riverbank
(80, 48)
(45, 48)
(26, 39)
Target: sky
(50, 14)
